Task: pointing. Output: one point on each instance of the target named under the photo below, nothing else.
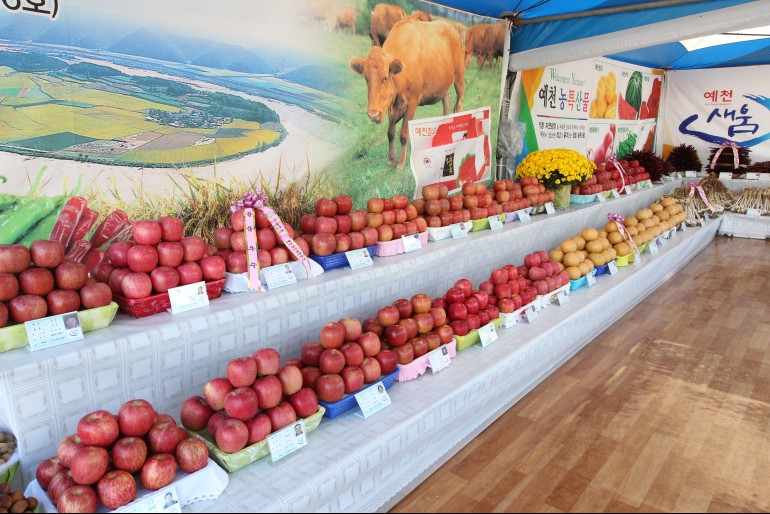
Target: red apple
(279, 255)
(268, 361)
(146, 232)
(36, 281)
(163, 438)
(323, 244)
(215, 421)
(439, 316)
(194, 248)
(424, 321)
(136, 285)
(405, 353)
(342, 243)
(266, 239)
(352, 328)
(420, 346)
(353, 378)
(373, 325)
(311, 353)
(164, 278)
(60, 302)
(333, 335)
(388, 315)
(238, 241)
(371, 370)
(297, 363)
(474, 322)
(411, 327)
(215, 392)
(189, 273)
(117, 488)
(357, 221)
(370, 344)
(404, 307)
(46, 470)
(136, 417)
(420, 303)
(221, 238)
(291, 379)
(331, 361)
(259, 428)
(310, 375)
(44, 253)
(330, 388)
(472, 304)
(67, 449)
(95, 295)
(371, 236)
(344, 224)
(89, 464)
(9, 287)
(236, 263)
(353, 353)
(305, 402)
(388, 361)
(269, 391)
(129, 454)
(242, 403)
(78, 498)
(455, 295)
(375, 205)
(59, 483)
(433, 339)
(344, 204)
(396, 335)
(195, 413)
(325, 207)
(457, 311)
(159, 470)
(172, 228)
(213, 268)
(459, 327)
(27, 308)
(242, 371)
(282, 415)
(99, 428)
(71, 275)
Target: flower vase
(561, 197)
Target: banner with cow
(599, 107)
(142, 105)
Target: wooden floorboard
(668, 410)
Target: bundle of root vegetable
(752, 198)
(717, 192)
(694, 205)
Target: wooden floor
(668, 410)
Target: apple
(215, 392)
(95, 295)
(9, 287)
(330, 388)
(291, 379)
(310, 375)
(236, 263)
(194, 248)
(71, 275)
(388, 315)
(222, 238)
(45, 253)
(388, 361)
(159, 470)
(213, 268)
(60, 483)
(67, 449)
(117, 488)
(305, 402)
(472, 304)
(118, 253)
(396, 335)
(439, 316)
(136, 285)
(411, 327)
(353, 353)
(460, 327)
(27, 308)
(323, 244)
(370, 344)
(142, 258)
(116, 279)
(99, 428)
(129, 454)
(344, 224)
(172, 228)
(356, 240)
(446, 334)
(483, 317)
(78, 498)
(371, 236)
(433, 340)
(404, 307)
(269, 391)
(333, 335)
(357, 221)
(195, 413)
(420, 346)
(242, 371)
(371, 369)
(3, 315)
(297, 363)
(163, 437)
(425, 322)
(474, 322)
(266, 239)
(373, 325)
(303, 246)
(46, 470)
(352, 328)
(164, 278)
(238, 241)
(455, 295)
(311, 353)
(259, 428)
(146, 232)
(353, 378)
(457, 311)
(307, 223)
(242, 403)
(282, 415)
(325, 207)
(60, 302)
(331, 361)
(278, 255)
(342, 243)
(405, 353)
(89, 464)
(268, 361)
(135, 418)
(189, 273)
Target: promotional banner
(451, 150)
(598, 107)
(707, 108)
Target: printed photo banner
(451, 150)
(708, 108)
(601, 108)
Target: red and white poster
(451, 150)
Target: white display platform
(165, 359)
(357, 465)
(737, 185)
(740, 225)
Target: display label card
(562, 298)
(662, 241)
(279, 275)
(189, 297)
(615, 193)
(549, 208)
(53, 331)
(764, 176)
(683, 226)
(644, 184)
(531, 314)
(753, 213)
(164, 500)
(667, 178)
(600, 197)
(458, 230)
(612, 267)
(703, 220)
(591, 278)
(287, 440)
(359, 258)
(411, 242)
(652, 247)
(495, 222)
(523, 215)
(510, 319)
(752, 176)
(373, 399)
(628, 190)
(439, 359)
(487, 334)
(690, 174)
(725, 175)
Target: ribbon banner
(612, 159)
(618, 219)
(696, 185)
(733, 147)
(259, 200)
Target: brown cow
(416, 66)
(474, 41)
(345, 19)
(493, 44)
(420, 16)
(384, 16)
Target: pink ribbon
(259, 200)
(612, 159)
(696, 185)
(726, 144)
(618, 219)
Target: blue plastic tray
(601, 270)
(349, 401)
(577, 284)
(336, 260)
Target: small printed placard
(359, 258)
(628, 190)
(549, 208)
(652, 247)
(287, 440)
(487, 334)
(612, 267)
(523, 215)
(165, 500)
(690, 174)
(683, 226)
(667, 178)
(439, 359)
(411, 242)
(510, 319)
(615, 193)
(279, 275)
(637, 258)
(591, 278)
(600, 197)
(764, 176)
(752, 176)
(562, 298)
(703, 220)
(495, 222)
(53, 331)
(458, 230)
(725, 175)
(530, 314)
(373, 399)
(753, 213)
(189, 297)
(662, 241)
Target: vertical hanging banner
(601, 108)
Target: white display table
(737, 185)
(740, 225)
(165, 358)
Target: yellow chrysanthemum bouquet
(555, 168)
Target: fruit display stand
(167, 358)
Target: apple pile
(535, 191)
(393, 218)
(467, 309)
(588, 250)
(603, 180)
(335, 228)
(39, 282)
(157, 259)
(104, 459)
(230, 243)
(255, 399)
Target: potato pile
(646, 225)
(15, 501)
(7, 447)
(584, 252)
